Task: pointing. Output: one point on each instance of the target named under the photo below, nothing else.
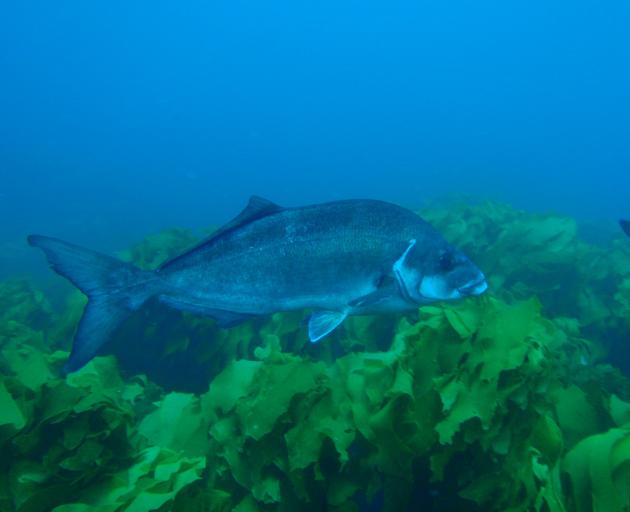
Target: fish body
(625, 226)
(322, 256)
(341, 258)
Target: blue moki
(342, 258)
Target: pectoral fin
(385, 287)
(322, 323)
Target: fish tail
(114, 289)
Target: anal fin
(223, 318)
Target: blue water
(120, 118)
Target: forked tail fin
(114, 289)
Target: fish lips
(476, 287)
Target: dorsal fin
(256, 208)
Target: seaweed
(501, 402)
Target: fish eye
(446, 261)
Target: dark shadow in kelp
(184, 352)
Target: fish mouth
(476, 287)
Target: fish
(625, 226)
(341, 258)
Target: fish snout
(475, 287)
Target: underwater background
(137, 128)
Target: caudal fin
(625, 225)
(114, 289)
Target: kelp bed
(502, 402)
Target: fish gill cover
(501, 402)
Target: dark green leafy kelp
(502, 402)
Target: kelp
(501, 402)
(74, 440)
(535, 254)
(155, 249)
(21, 303)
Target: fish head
(437, 271)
